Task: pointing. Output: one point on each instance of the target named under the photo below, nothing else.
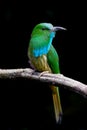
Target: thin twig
(56, 79)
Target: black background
(28, 103)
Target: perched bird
(44, 57)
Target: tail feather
(57, 104)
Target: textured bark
(55, 79)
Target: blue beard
(44, 50)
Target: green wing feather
(53, 60)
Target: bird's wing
(53, 60)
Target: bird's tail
(57, 104)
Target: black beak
(58, 28)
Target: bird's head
(46, 29)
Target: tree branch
(55, 79)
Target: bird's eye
(43, 28)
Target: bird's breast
(40, 63)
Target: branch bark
(55, 79)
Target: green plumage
(44, 57)
(53, 60)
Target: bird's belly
(40, 63)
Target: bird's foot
(44, 72)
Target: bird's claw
(44, 72)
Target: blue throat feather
(44, 50)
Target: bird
(44, 58)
